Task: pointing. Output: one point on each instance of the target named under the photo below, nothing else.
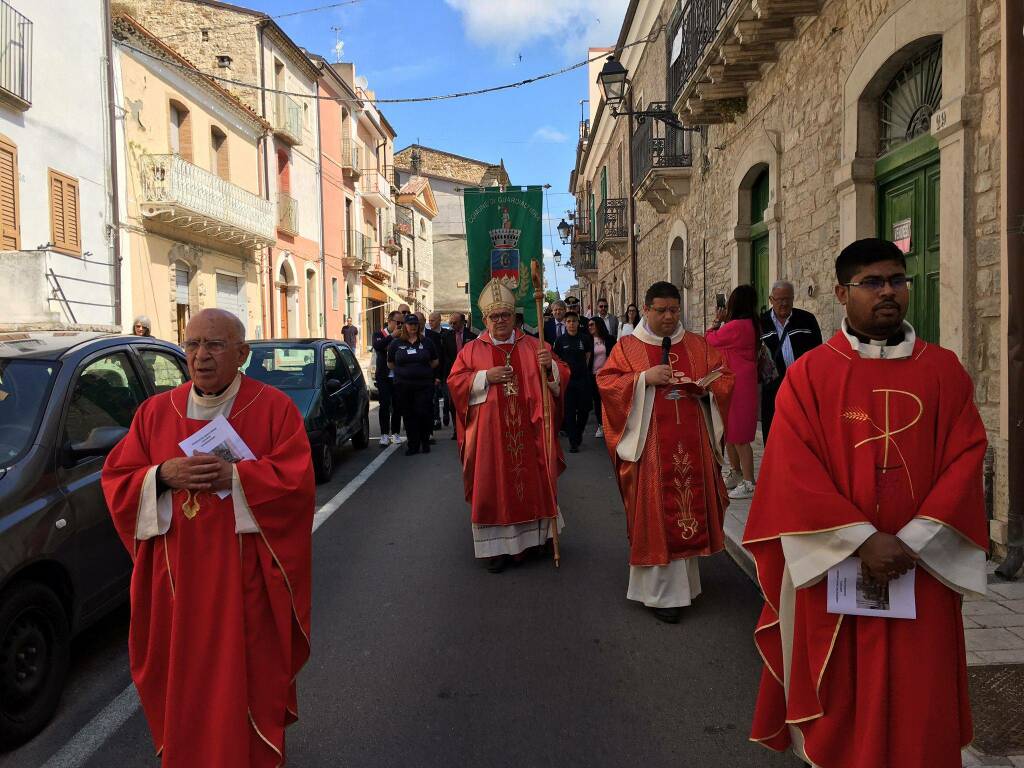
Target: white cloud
(549, 135)
(510, 25)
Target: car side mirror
(100, 442)
(332, 386)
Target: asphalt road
(422, 658)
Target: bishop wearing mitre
(220, 592)
(508, 439)
(664, 393)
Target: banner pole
(537, 273)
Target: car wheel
(35, 651)
(361, 439)
(323, 459)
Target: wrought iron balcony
(403, 224)
(612, 226)
(15, 57)
(355, 254)
(584, 259)
(581, 223)
(351, 157)
(662, 160)
(381, 267)
(184, 195)
(374, 188)
(716, 49)
(288, 119)
(287, 214)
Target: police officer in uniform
(414, 358)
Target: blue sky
(410, 48)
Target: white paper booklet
(851, 593)
(219, 438)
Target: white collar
(642, 332)
(510, 340)
(878, 349)
(211, 401)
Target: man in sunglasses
(876, 454)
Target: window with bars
(65, 221)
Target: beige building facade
(194, 216)
(815, 123)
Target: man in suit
(452, 341)
(555, 327)
(788, 333)
(611, 322)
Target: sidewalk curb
(741, 557)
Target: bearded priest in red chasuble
(665, 393)
(876, 454)
(220, 592)
(510, 475)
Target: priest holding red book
(876, 454)
(664, 394)
(220, 592)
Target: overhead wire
(257, 19)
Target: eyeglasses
(498, 317)
(876, 284)
(213, 346)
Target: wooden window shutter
(219, 148)
(65, 222)
(10, 212)
(181, 120)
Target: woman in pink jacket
(736, 332)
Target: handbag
(767, 371)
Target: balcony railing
(182, 194)
(287, 214)
(611, 220)
(403, 224)
(288, 119)
(374, 188)
(695, 28)
(351, 156)
(656, 145)
(355, 255)
(584, 259)
(581, 224)
(15, 56)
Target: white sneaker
(397, 439)
(743, 490)
(599, 432)
(732, 478)
(385, 440)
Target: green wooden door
(909, 207)
(759, 270)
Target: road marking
(87, 741)
(332, 506)
(84, 744)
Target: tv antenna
(339, 45)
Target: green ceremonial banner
(503, 237)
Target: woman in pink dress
(736, 333)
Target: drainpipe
(115, 213)
(265, 142)
(320, 201)
(1013, 231)
(632, 200)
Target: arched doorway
(759, 195)
(286, 295)
(907, 176)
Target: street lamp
(557, 257)
(614, 79)
(564, 231)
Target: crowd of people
(875, 453)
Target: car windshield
(24, 388)
(284, 366)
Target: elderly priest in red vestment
(664, 393)
(220, 593)
(876, 454)
(510, 475)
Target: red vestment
(674, 496)
(882, 442)
(220, 621)
(501, 441)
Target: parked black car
(66, 398)
(324, 379)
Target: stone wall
(180, 24)
(436, 163)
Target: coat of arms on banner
(505, 254)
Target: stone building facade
(817, 123)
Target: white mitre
(495, 296)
